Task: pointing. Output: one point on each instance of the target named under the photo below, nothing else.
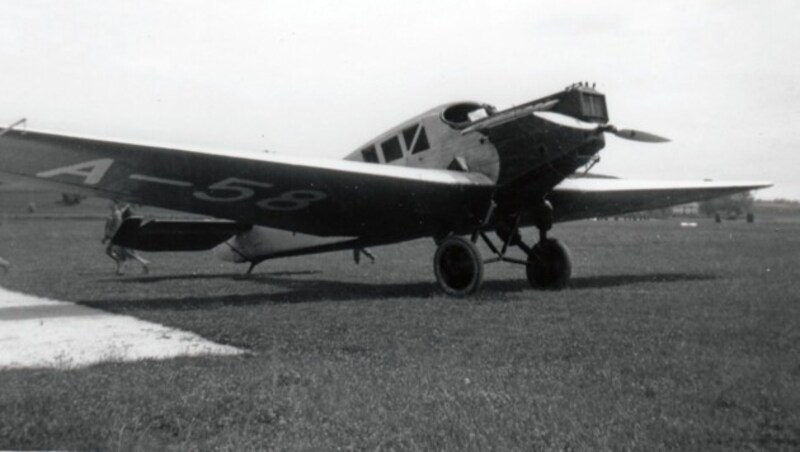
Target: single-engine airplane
(456, 173)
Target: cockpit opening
(463, 114)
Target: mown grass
(668, 338)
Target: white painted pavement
(41, 333)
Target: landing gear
(549, 265)
(458, 266)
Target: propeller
(635, 135)
(575, 123)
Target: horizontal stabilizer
(175, 235)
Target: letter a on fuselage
(92, 171)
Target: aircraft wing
(579, 198)
(319, 197)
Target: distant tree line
(730, 206)
(779, 201)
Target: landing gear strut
(459, 266)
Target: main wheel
(549, 265)
(458, 266)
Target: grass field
(668, 338)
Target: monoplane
(458, 173)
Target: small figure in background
(120, 254)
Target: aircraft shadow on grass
(320, 290)
(204, 276)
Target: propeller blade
(638, 135)
(575, 123)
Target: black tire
(458, 266)
(549, 265)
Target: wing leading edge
(319, 197)
(580, 198)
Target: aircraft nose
(592, 137)
(592, 143)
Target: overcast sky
(721, 78)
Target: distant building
(686, 210)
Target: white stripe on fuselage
(261, 242)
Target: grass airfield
(668, 338)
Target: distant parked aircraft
(455, 173)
